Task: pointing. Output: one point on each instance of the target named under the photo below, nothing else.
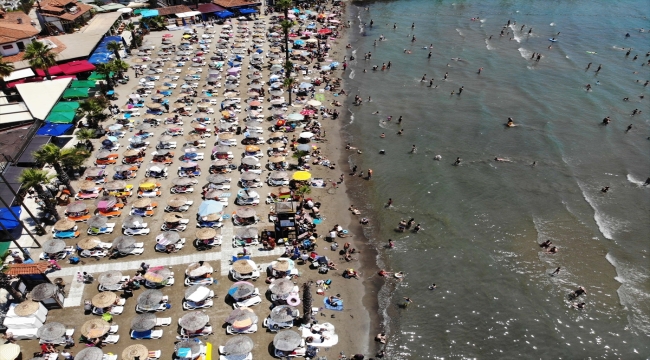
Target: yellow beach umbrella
(301, 175)
(147, 186)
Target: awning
(41, 97)
(54, 70)
(224, 14)
(63, 106)
(26, 158)
(7, 218)
(21, 74)
(248, 11)
(50, 129)
(76, 67)
(11, 173)
(83, 84)
(65, 117)
(76, 93)
(188, 14)
(149, 13)
(135, 5)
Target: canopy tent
(25, 73)
(40, 97)
(61, 117)
(149, 13)
(54, 70)
(188, 14)
(50, 129)
(82, 84)
(63, 106)
(223, 14)
(247, 11)
(96, 76)
(7, 218)
(76, 67)
(75, 93)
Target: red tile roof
(171, 10)
(57, 8)
(11, 30)
(235, 3)
(19, 57)
(27, 269)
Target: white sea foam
(526, 54)
(606, 224)
(482, 20)
(552, 24)
(630, 295)
(634, 180)
(488, 46)
(515, 36)
(352, 74)
(460, 32)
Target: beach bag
(328, 282)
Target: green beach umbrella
(65, 106)
(62, 117)
(75, 93)
(83, 84)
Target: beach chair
(155, 354)
(111, 339)
(163, 321)
(109, 357)
(113, 329)
(250, 330)
(146, 335)
(190, 305)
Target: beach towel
(318, 183)
(337, 306)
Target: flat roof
(40, 97)
(101, 23)
(19, 74)
(77, 45)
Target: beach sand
(355, 325)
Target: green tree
(5, 70)
(136, 37)
(115, 47)
(85, 134)
(60, 158)
(26, 6)
(288, 83)
(40, 56)
(153, 23)
(119, 66)
(286, 26)
(106, 70)
(36, 178)
(93, 110)
(302, 191)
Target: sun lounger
(275, 326)
(250, 330)
(298, 352)
(146, 335)
(111, 339)
(155, 354)
(248, 356)
(255, 300)
(163, 321)
(190, 305)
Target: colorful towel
(336, 306)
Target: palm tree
(306, 302)
(288, 83)
(115, 47)
(136, 39)
(5, 70)
(286, 26)
(35, 178)
(40, 56)
(93, 110)
(58, 158)
(106, 70)
(302, 191)
(119, 66)
(85, 134)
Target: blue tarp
(8, 219)
(248, 11)
(102, 55)
(149, 13)
(224, 14)
(50, 129)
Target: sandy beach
(355, 325)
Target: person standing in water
(600, 66)
(588, 66)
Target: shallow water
(483, 219)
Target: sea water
(483, 220)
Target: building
(64, 15)
(16, 32)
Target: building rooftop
(14, 26)
(64, 9)
(28, 269)
(236, 3)
(171, 10)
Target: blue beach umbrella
(299, 42)
(306, 85)
(210, 207)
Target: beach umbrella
(213, 194)
(283, 313)
(105, 202)
(157, 274)
(192, 137)
(88, 243)
(279, 175)
(245, 212)
(250, 160)
(142, 203)
(164, 138)
(193, 346)
(95, 328)
(206, 233)
(135, 352)
(276, 67)
(194, 321)
(217, 179)
(27, 308)
(303, 147)
(210, 207)
(172, 218)
(282, 286)
(90, 353)
(242, 318)
(44, 291)
(250, 176)
(196, 269)
(120, 168)
(143, 322)
(197, 293)
(9, 351)
(150, 299)
(51, 331)
(295, 117)
(64, 224)
(115, 185)
(110, 277)
(104, 299)
(301, 175)
(168, 237)
(177, 200)
(131, 152)
(276, 92)
(282, 264)
(53, 246)
(287, 340)
(305, 85)
(325, 68)
(143, 126)
(238, 345)
(306, 135)
(133, 220)
(241, 289)
(124, 244)
(103, 153)
(243, 266)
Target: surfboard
(553, 40)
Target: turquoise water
(483, 219)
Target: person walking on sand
(369, 174)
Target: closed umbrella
(27, 308)
(282, 286)
(283, 313)
(241, 289)
(53, 246)
(135, 352)
(110, 277)
(194, 321)
(75, 207)
(150, 299)
(44, 291)
(143, 322)
(104, 299)
(287, 340)
(88, 243)
(90, 353)
(206, 233)
(238, 345)
(51, 331)
(95, 328)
